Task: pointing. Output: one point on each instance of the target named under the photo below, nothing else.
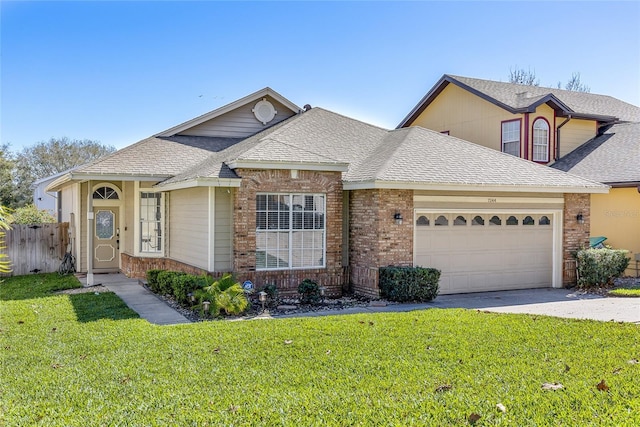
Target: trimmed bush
(309, 292)
(165, 281)
(404, 284)
(152, 279)
(598, 267)
(183, 285)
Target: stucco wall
(617, 217)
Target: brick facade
(283, 181)
(375, 240)
(575, 236)
(136, 267)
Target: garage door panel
(474, 258)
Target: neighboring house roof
(612, 158)
(517, 98)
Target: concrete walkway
(144, 302)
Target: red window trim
(519, 136)
(533, 123)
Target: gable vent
(264, 111)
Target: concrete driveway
(548, 302)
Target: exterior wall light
(398, 218)
(580, 218)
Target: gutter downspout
(558, 136)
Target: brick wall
(281, 181)
(375, 240)
(575, 236)
(136, 267)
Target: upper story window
(540, 140)
(511, 137)
(290, 231)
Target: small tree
(30, 214)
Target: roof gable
(237, 119)
(517, 98)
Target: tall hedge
(598, 267)
(404, 284)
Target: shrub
(165, 281)
(409, 283)
(30, 214)
(271, 290)
(309, 292)
(224, 294)
(598, 267)
(183, 285)
(152, 279)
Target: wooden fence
(37, 248)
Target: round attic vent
(264, 111)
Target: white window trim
(137, 228)
(324, 234)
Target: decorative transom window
(150, 222)
(105, 193)
(290, 231)
(540, 140)
(511, 137)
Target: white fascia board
(495, 200)
(81, 177)
(256, 164)
(400, 185)
(230, 107)
(200, 182)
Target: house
(46, 200)
(276, 194)
(594, 136)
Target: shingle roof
(411, 155)
(419, 155)
(521, 98)
(153, 156)
(611, 158)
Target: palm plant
(224, 294)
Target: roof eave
(200, 182)
(82, 177)
(438, 88)
(404, 185)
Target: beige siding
(127, 224)
(466, 116)
(188, 227)
(223, 245)
(575, 133)
(82, 258)
(238, 123)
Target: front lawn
(61, 367)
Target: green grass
(433, 367)
(631, 291)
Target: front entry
(106, 240)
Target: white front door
(106, 240)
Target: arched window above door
(105, 193)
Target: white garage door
(485, 251)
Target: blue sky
(118, 72)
